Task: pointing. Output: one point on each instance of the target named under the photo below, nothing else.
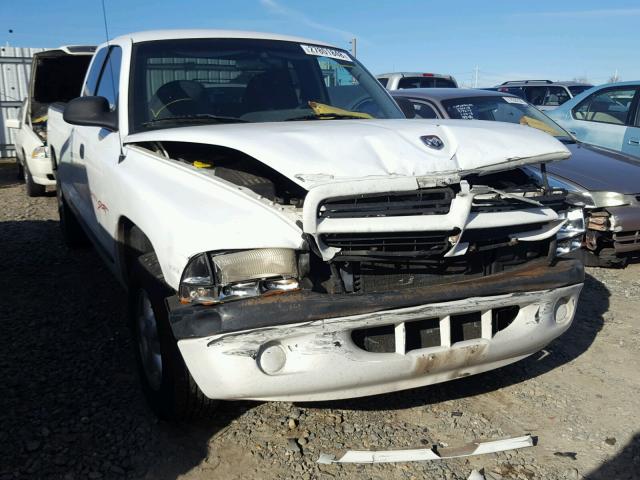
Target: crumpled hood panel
(321, 151)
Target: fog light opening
(272, 359)
(564, 310)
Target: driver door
(99, 151)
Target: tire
(72, 233)
(32, 188)
(20, 175)
(167, 384)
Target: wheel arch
(132, 242)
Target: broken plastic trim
(426, 454)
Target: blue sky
(558, 40)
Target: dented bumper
(625, 223)
(303, 346)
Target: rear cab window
(425, 82)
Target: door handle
(634, 141)
(82, 151)
(572, 133)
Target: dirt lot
(71, 407)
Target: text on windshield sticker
(325, 52)
(465, 110)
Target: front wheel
(166, 382)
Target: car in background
(607, 116)
(543, 94)
(605, 182)
(56, 77)
(401, 80)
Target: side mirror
(406, 106)
(91, 112)
(12, 123)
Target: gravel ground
(71, 407)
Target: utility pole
(475, 81)
(353, 47)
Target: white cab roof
(151, 35)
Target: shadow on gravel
(624, 466)
(8, 173)
(71, 406)
(594, 302)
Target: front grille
(385, 275)
(555, 201)
(627, 238)
(423, 243)
(434, 201)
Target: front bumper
(625, 223)
(41, 171)
(320, 360)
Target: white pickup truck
(284, 232)
(56, 76)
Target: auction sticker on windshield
(326, 52)
(517, 100)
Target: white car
(285, 234)
(56, 76)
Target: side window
(93, 74)
(108, 86)
(383, 81)
(606, 106)
(556, 95)
(535, 95)
(424, 110)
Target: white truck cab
(56, 76)
(284, 233)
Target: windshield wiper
(206, 117)
(324, 116)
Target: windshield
(578, 89)
(503, 109)
(243, 80)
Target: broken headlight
(569, 237)
(213, 278)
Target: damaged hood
(321, 151)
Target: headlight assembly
(569, 237)
(210, 278)
(39, 152)
(608, 199)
